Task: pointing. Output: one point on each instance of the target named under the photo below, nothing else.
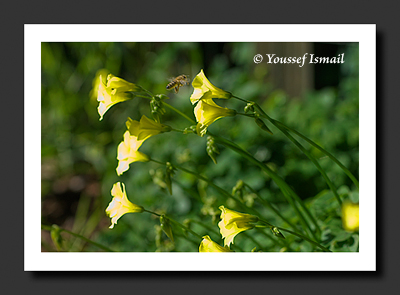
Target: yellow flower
(232, 223)
(112, 90)
(120, 204)
(207, 112)
(149, 128)
(96, 83)
(128, 153)
(207, 245)
(128, 148)
(202, 86)
(350, 213)
(136, 134)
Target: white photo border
(364, 260)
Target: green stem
(148, 93)
(208, 181)
(193, 122)
(170, 107)
(175, 222)
(349, 174)
(246, 115)
(186, 238)
(177, 130)
(205, 226)
(277, 242)
(179, 112)
(307, 153)
(298, 235)
(141, 96)
(244, 100)
(275, 210)
(285, 188)
(311, 157)
(221, 190)
(345, 170)
(269, 205)
(188, 190)
(49, 228)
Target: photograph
(210, 147)
(178, 147)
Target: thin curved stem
(312, 158)
(141, 96)
(269, 205)
(246, 115)
(186, 238)
(345, 170)
(148, 93)
(277, 242)
(211, 183)
(179, 112)
(175, 222)
(205, 226)
(177, 130)
(275, 122)
(298, 235)
(285, 188)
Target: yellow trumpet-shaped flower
(112, 90)
(350, 216)
(128, 148)
(128, 152)
(207, 245)
(100, 76)
(233, 223)
(120, 204)
(207, 112)
(136, 134)
(202, 86)
(148, 127)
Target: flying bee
(177, 82)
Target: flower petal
(232, 223)
(120, 204)
(207, 245)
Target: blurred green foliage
(79, 151)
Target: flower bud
(212, 149)
(276, 232)
(157, 109)
(170, 170)
(160, 97)
(166, 227)
(158, 234)
(262, 125)
(249, 108)
(238, 187)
